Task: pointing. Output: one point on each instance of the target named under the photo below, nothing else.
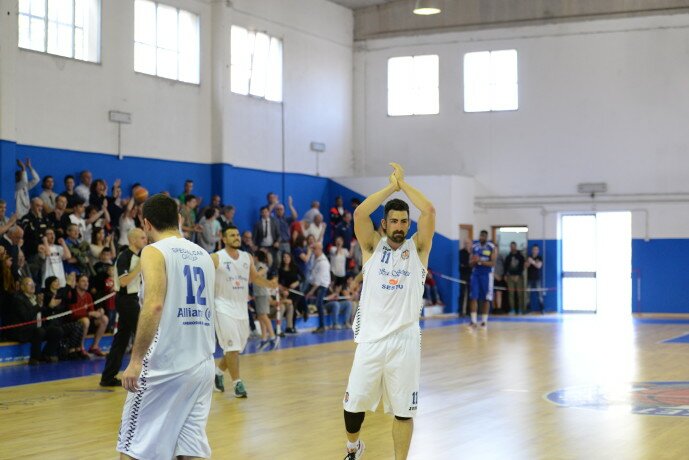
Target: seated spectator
(104, 284)
(97, 193)
(128, 221)
(53, 304)
(12, 241)
(345, 229)
(6, 222)
(290, 279)
(283, 308)
(227, 217)
(319, 280)
(53, 256)
(69, 193)
(83, 190)
(58, 220)
(25, 308)
(248, 243)
(23, 185)
(354, 202)
(99, 241)
(84, 311)
(338, 262)
(215, 204)
(284, 224)
(335, 304)
(79, 250)
(96, 218)
(34, 225)
(267, 233)
(210, 234)
(430, 291)
(337, 212)
(315, 228)
(48, 195)
(312, 212)
(8, 285)
(77, 218)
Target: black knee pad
(353, 421)
(402, 419)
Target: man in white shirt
(319, 280)
(53, 254)
(311, 213)
(84, 188)
(48, 195)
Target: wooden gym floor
(483, 396)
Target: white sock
(218, 371)
(473, 317)
(484, 318)
(278, 328)
(351, 446)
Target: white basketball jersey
(392, 292)
(186, 334)
(232, 284)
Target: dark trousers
(320, 293)
(464, 296)
(36, 336)
(129, 317)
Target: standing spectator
(79, 250)
(114, 205)
(83, 190)
(6, 222)
(337, 212)
(216, 204)
(319, 280)
(345, 229)
(290, 280)
(514, 276)
(248, 243)
(284, 225)
(464, 276)
(69, 192)
(209, 236)
(267, 234)
(97, 193)
(48, 195)
(128, 275)
(338, 262)
(53, 256)
(96, 218)
(34, 224)
(272, 200)
(316, 228)
(58, 220)
(127, 222)
(189, 227)
(77, 218)
(12, 241)
(23, 185)
(313, 211)
(83, 310)
(534, 267)
(188, 188)
(262, 301)
(24, 308)
(99, 241)
(354, 202)
(227, 217)
(499, 283)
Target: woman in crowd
(53, 303)
(289, 278)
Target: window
(413, 85)
(69, 28)
(256, 64)
(166, 42)
(490, 81)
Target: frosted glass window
(166, 42)
(256, 64)
(69, 28)
(413, 85)
(491, 81)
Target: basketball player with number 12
(386, 328)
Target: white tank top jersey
(232, 284)
(392, 292)
(186, 334)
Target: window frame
(157, 47)
(387, 82)
(492, 85)
(251, 63)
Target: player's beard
(397, 237)
(236, 245)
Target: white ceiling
(354, 4)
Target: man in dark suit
(267, 234)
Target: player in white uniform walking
(386, 328)
(234, 270)
(170, 373)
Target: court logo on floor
(645, 398)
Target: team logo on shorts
(644, 398)
(346, 398)
(405, 254)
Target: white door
(596, 262)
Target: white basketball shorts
(387, 369)
(167, 416)
(232, 333)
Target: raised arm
(363, 225)
(155, 279)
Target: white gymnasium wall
(604, 100)
(63, 103)
(317, 88)
(452, 196)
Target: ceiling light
(427, 7)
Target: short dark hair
(189, 197)
(209, 212)
(44, 181)
(78, 202)
(263, 207)
(68, 176)
(262, 256)
(396, 205)
(228, 208)
(513, 243)
(484, 232)
(230, 227)
(106, 249)
(82, 275)
(161, 212)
